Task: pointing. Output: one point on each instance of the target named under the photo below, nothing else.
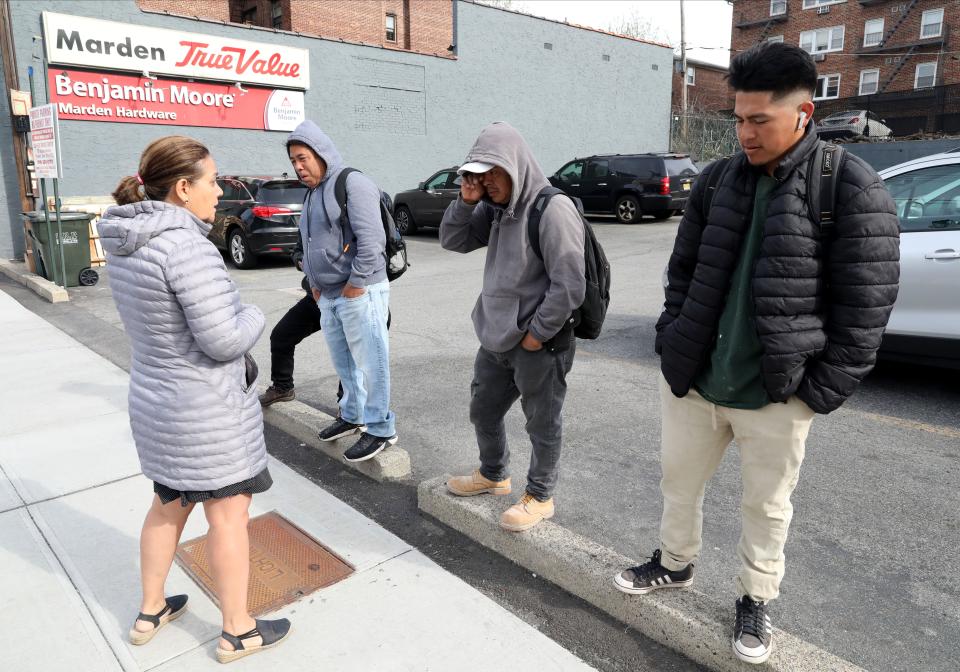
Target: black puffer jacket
(821, 306)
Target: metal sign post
(43, 192)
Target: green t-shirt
(733, 375)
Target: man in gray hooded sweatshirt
(344, 263)
(523, 317)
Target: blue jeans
(356, 333)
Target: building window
(775, 38)
(873, 32)
(828, 86)
(276, 13)
(391, 27)
(926, 76)
(810, 4)
(869, 81)
(691, 76)
(778, 7)
(249, 16)
(931, 24)
(823, 40)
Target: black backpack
(822, 191)
(396, 249)
(588, 318)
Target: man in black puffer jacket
(768, 320)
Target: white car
(849, 123)
(925, 324)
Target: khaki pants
(695, 434)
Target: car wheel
(240, 253)
(661, 215)
(404, 221)
(628, 210)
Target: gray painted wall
(567, 101)
(11, 228)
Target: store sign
(77, 40)
(96, 96)
(44, 134)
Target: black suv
(257, 215)
(629, 185)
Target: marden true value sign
(77, 40)
(98, 96)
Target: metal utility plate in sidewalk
(285, 564)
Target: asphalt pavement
(872, 575)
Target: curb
(687, 621)
(302, 421)
(17, 271)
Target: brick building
(421, 26)
(707, 89)
(898, 57)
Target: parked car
(849, 123)
(257, 216)
(925, 324)
(629, 185)
(424, 206)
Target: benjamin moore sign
(109, 45)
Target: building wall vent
(825, 9)
(548, 45)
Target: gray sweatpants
(539, 380)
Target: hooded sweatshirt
(195, 417)
(520, 292)
(333, 254)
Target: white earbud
(802, 121)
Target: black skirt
(259, 483)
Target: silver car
(925, 324)
(850, 123)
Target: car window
(680, 167)
(598, 168)
(571, 172)
(288, 191)
(636, 167)
(873, 117)
(230, 190)
(438, 181)
(927, 199)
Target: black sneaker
(368, 446)
(338, 429)
(652, 575)
(753, 631)
(275, 394)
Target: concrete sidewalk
(71, 504)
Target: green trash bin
(76, 247)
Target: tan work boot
(477, 484)
(526, 513)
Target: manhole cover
(285, 564)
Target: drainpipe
(453, 43)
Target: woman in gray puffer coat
(193, 404)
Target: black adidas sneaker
(651, 575)
(753, 632)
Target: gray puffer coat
(195, 418)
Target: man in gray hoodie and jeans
(344, 263)
(523, 317)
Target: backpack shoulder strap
(716, 172)
(340, 189)
(536, 213)
(827, 162)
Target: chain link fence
(707, 136)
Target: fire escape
(907, 48)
